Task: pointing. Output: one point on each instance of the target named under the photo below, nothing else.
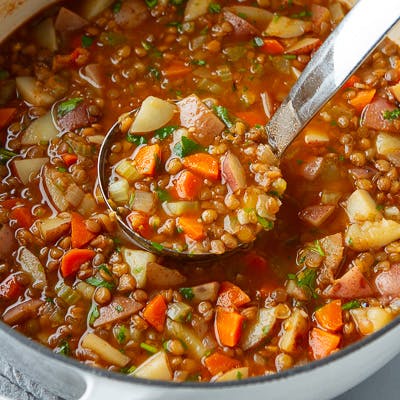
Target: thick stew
(193, 172)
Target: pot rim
(104, 373)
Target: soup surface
(326, 275)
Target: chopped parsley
(98, 282)
(67, 106)
(391, 114)
(163, 195)
(157, 246)
(61, 169)
(128, 370)
(289, 56)
(112, 38)
(63, 348)
(186, 147)
(137, 140)
(103, 267)
(223, 114)
(151, 3)
(155, 73)
(93, 313)
(178, 25)
(118, 308)
(164, 132)
(187, 293)
(306, 279)
(200, 63)
(317, 248)
(351, 304)
(214, 8)
(239, 375)
(86, 41)
(149, 348)
(257, 42)
(121, 334)
(265, 223)
(380, 207)
(6, 155)
(116, 8)
(302, 14)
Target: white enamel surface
(327, 380)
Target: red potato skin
(311, 168)
(7, 242)
(79, 117)
(68, 21)
(194, 113)
(372, 115)
(319, 14)
(95, 75)
(241, 28)
(316, 215)
(132, 14)
(232, 172)
(352, 285)
(388, 282)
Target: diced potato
(232, 172)
(188, 336)
(328, 197)
(138, 261)
(88, 205)
(256, 331)
(387, 144)
(32, 266)
(205, 292)
(304, 46)
(315, 136)
(92, 8)
(254, 15)
(28, 167)
(371, 319)
(119, 191)
(362, 207)
(286, 28)
(195, 9)
(33, 93)
(51, 229)
(153, 114)
(178, 208)
(155, 367)
(56, 196)
(40, 130)
(372, 235)
(104, 350)
(234, 375)
(159, 276)
(295, 327)
(45, 35)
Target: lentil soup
(326, 275)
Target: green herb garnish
(151, 3)
(112, 38)
(93, 313)
(239, 375)
(6, 155)
(157, 246)
(63, 348)
(164, 132)
(306, 279)
(214, 8)
(67, 106)
(265, 223)
(118, 308)
(302, 14)
(116, 8)
(86, 41)
(4, 74)
(61, 169)
(317, 248)
(223, 114)
(155, 73)
(392, 114)
(121, 334)
(289, 56)
(186, 147)
(257, 42)
(187, 293)
(163, 195)
(200, 63)
(103, 267)
(98, 282)
(137, 140)
(149, 348)
(351, 304)
(128, 370)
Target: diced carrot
(73, 259)
(155, 312)
(362, 99)
(23, 216)
(252, 118)
(6, 115)
(176, 70)
(202, 164)
(69, 159)
(147, 159)
(231, 295)
(272, 46)
(228, 327)
(323, 343)
(351, 81)
(191, 227)
(188, 185)
(140, 224)
(80, 235)
(10, 288)
(218, 362)
(330, 315)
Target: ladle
(331, 66)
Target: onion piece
(195, 9)
(155, 367)
(267, 103)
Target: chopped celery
(178, 208)
(119, 191)
(179, 311)
(66, 293)
(127, 170)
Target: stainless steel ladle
(342, 53)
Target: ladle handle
(331, 66)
